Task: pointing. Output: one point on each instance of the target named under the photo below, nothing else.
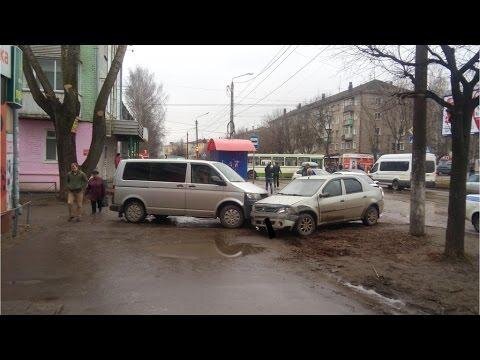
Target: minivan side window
(168, 172)
(352, 186)
(334, 188)
(429, 167)
(394, 166)
(136, 171)
(202, 174)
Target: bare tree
(180, 149)
(322, 128)
(461, 64)
(397, 115)
(63, 113)
(145, 100)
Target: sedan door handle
(191, 186)
(179, 186)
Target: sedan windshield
(228, 172)
(302, 187)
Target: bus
(289, 163)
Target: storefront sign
(5, 61)
(15, 93)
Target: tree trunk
(417, 196)
(66, 150)
(454, 238)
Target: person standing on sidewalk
(276, 175)
(269, 177)
(76, 183)
(96, 192)
(118, 158)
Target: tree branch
(31, 58)
(470, 64)
(37, 94)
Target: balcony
(30, 108)
(348, 122)
(347, 137)
(126, 128)
(348, 108)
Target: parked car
(313, 166)
(473, 185)
(197, 188)
(472, 209)
(310, 201)
(394, 170)
(444, 167)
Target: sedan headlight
(284, 210)
(254, 196)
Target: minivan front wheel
(231, 216)
(135, 211)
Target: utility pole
(196, 138)
(187, 144)
(417, 196)
(231, 125)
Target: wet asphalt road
(104, 265)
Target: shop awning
(230, 145)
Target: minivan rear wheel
(395, 185)
(231, 216)
(135, 211)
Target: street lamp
(196, 132)
(231, 125)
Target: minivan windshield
(228, 172)
(302, 187)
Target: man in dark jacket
(269, 177)
(276, 175)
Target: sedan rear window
(352, 186)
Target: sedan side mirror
(324, 195)
(217, 181)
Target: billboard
(446, 130)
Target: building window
(377, 115)
(53, 71)
(354, 131)
(354, 146)
(342, 146)
(336, 146)
(348, 102)
(377, 131)
(51, 146)
(348, 145)
(401, 147)
(378, 101)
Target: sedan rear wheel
(371, 216)
(305, 225)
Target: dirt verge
(406, 269)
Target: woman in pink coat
(96, 191)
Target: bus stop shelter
(233, 152)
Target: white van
(394, 170)
(163, 187)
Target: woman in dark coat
(96, 191)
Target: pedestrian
(76, 183)
(118, 158)
(305, 169)
(96, 192)
(360, 167)
(276, 175)
(340, 167)
(310, 171)
(269, 177)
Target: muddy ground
(408, 270)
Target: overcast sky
(199, 74)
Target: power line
(278, 87)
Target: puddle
(185, 222)
(211, 248)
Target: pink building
(38, 167)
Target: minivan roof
(169, 160)
(403, 156)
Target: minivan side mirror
(217, 181)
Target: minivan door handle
(191, 186)
(342, 200)
(179, 186)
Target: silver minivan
(198, 188)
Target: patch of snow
(392, 302)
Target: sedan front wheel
(305, 225)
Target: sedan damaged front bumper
(278, 221)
